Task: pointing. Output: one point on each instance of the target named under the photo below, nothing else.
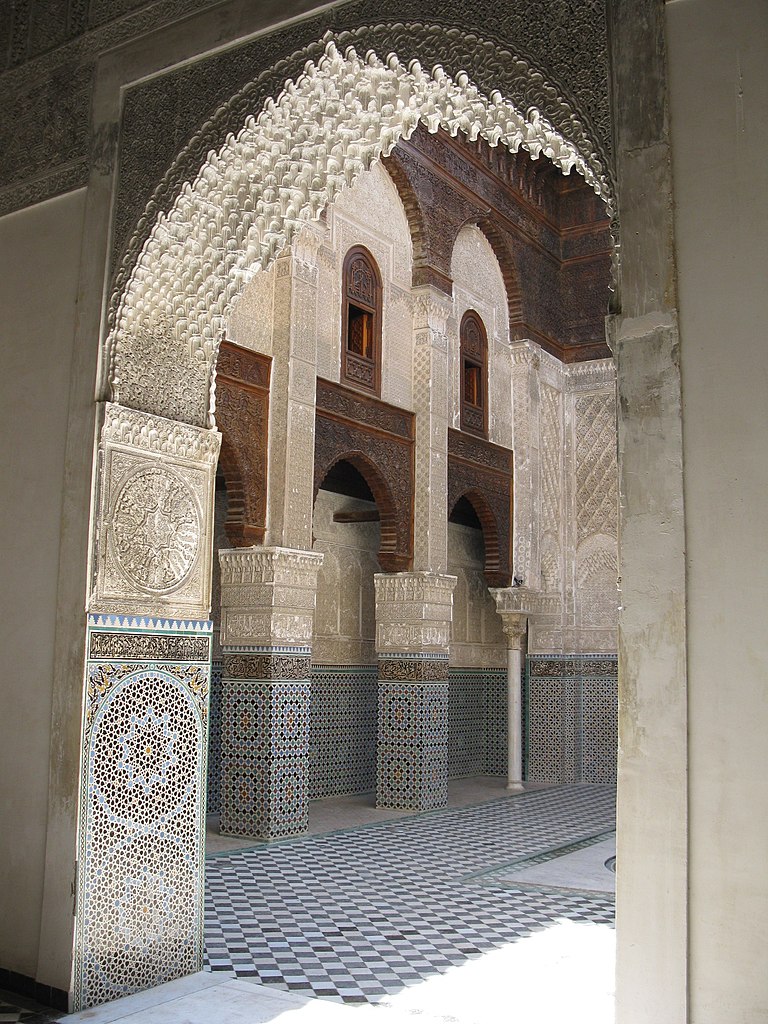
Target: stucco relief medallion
(156, 530)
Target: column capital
(525, 353)
(514, 626)
(413, 612)
(432, 308)
(515, 605)
(268, 596)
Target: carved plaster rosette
(155, 516)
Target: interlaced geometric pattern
(551, 451)
(342, 746)
(142, 810)
(412, 750)
(465, 724)
(214, 742)
(596, 474)
(140, 852)
(357, 915)
(264, 756)
(495, 722)
(571, 705)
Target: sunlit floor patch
(583, 866)
(388, 911)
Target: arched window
(474, 374)
(361, 321)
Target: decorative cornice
(161, 436)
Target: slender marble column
(514, 625)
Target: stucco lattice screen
(142, 806)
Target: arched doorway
(167, 327)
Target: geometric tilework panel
(142, 826)
(465, 723)
(264, 757)
(599, 728)
(412, 749)
(571, 707)
(342, 744)
(214, 742)
(494, 722)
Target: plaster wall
(39, 268)
(719, 93)
(370, 213)
(477, 638)
(345, 608)
(478, 285)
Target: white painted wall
(39, 268)
(718, 54)
(479, 285)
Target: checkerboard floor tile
(357, 915)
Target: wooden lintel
(362, 515)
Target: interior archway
(249, 198)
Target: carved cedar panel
(242, 415)
(436, 213)
(482, 472)
(378, 440)
(545, 229)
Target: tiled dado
(412, 750)
(571, 705)
(477, 722)
(265, 714)
(343, 728)
(342, 744)
(139, 913)
(214, 741)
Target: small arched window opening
(474, 375)
(361, 321)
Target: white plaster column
(514, 625)
(267, 624)
(292, 404)
(413, 631)
(525, 359)
(431, 391)
(516, 606)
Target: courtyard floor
(497, 909)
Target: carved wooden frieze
(436, 211)
(547, 230)
(378, 440)
(482, 472)
(242, 414)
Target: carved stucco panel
(431, 388)
(268, 596)
(155, 517)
